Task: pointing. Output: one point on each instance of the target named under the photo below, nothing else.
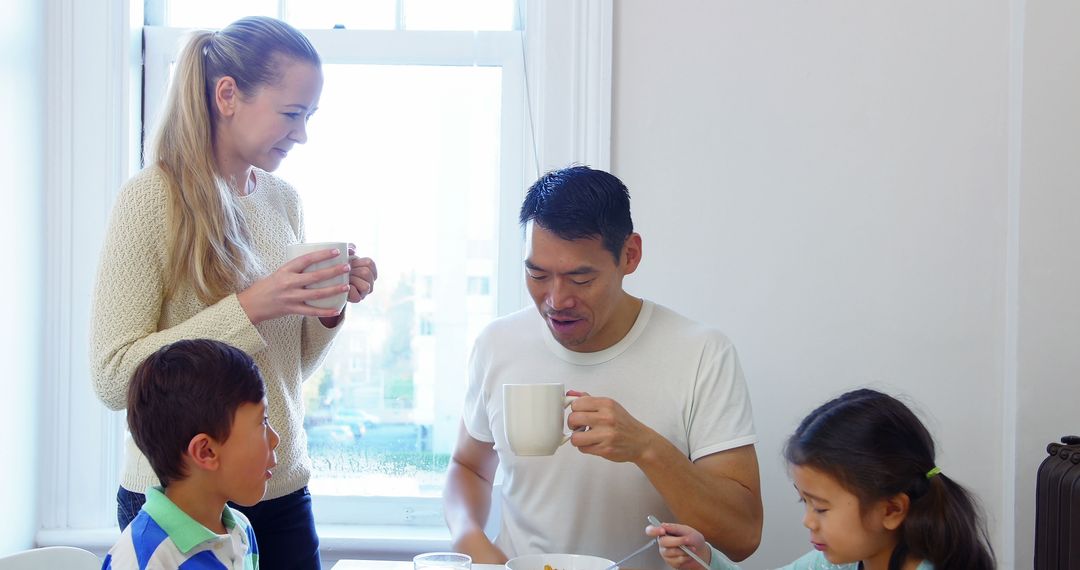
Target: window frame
(93, 135)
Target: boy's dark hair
(184, 389)
(579, 202)
(876, 448)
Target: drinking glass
(442, 561)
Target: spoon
(632, 554)
(656, 522)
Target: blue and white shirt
(163, 537)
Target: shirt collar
(600, 356)
(185, 532)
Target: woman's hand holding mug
(286, 292)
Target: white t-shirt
(676, 376)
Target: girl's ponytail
(943, 526)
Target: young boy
(197, 410)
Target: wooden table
(396, 565)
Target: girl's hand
(362, 276)
(282, 292)
(670, 536)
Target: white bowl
(558, 562)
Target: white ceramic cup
(295, 250)
(534, 417)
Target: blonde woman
(196, 249)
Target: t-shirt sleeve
(475, 411)
(721, 417)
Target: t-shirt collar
(600, 356)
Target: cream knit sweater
(131, 319)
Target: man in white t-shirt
(663, 425)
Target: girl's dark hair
(876, 448)
(184, 389)
(579, 202)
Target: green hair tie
(933, 472)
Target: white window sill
(387, 542)
(369, 542)
(96, 540)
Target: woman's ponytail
(208, 240)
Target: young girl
(196, 249)
(864, 466)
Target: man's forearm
(727, 512)
(466, 500)
(466, 503)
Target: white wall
(827, 182)
(1048, 363)
(22, 223)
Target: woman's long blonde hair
(209, 244)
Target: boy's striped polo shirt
(163, 536)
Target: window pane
(404, 162)
(215, 13)
(354, 15)
(462, 15)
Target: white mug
(294, 250)
(533, 416)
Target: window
(403, 160)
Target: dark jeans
(284, 528)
